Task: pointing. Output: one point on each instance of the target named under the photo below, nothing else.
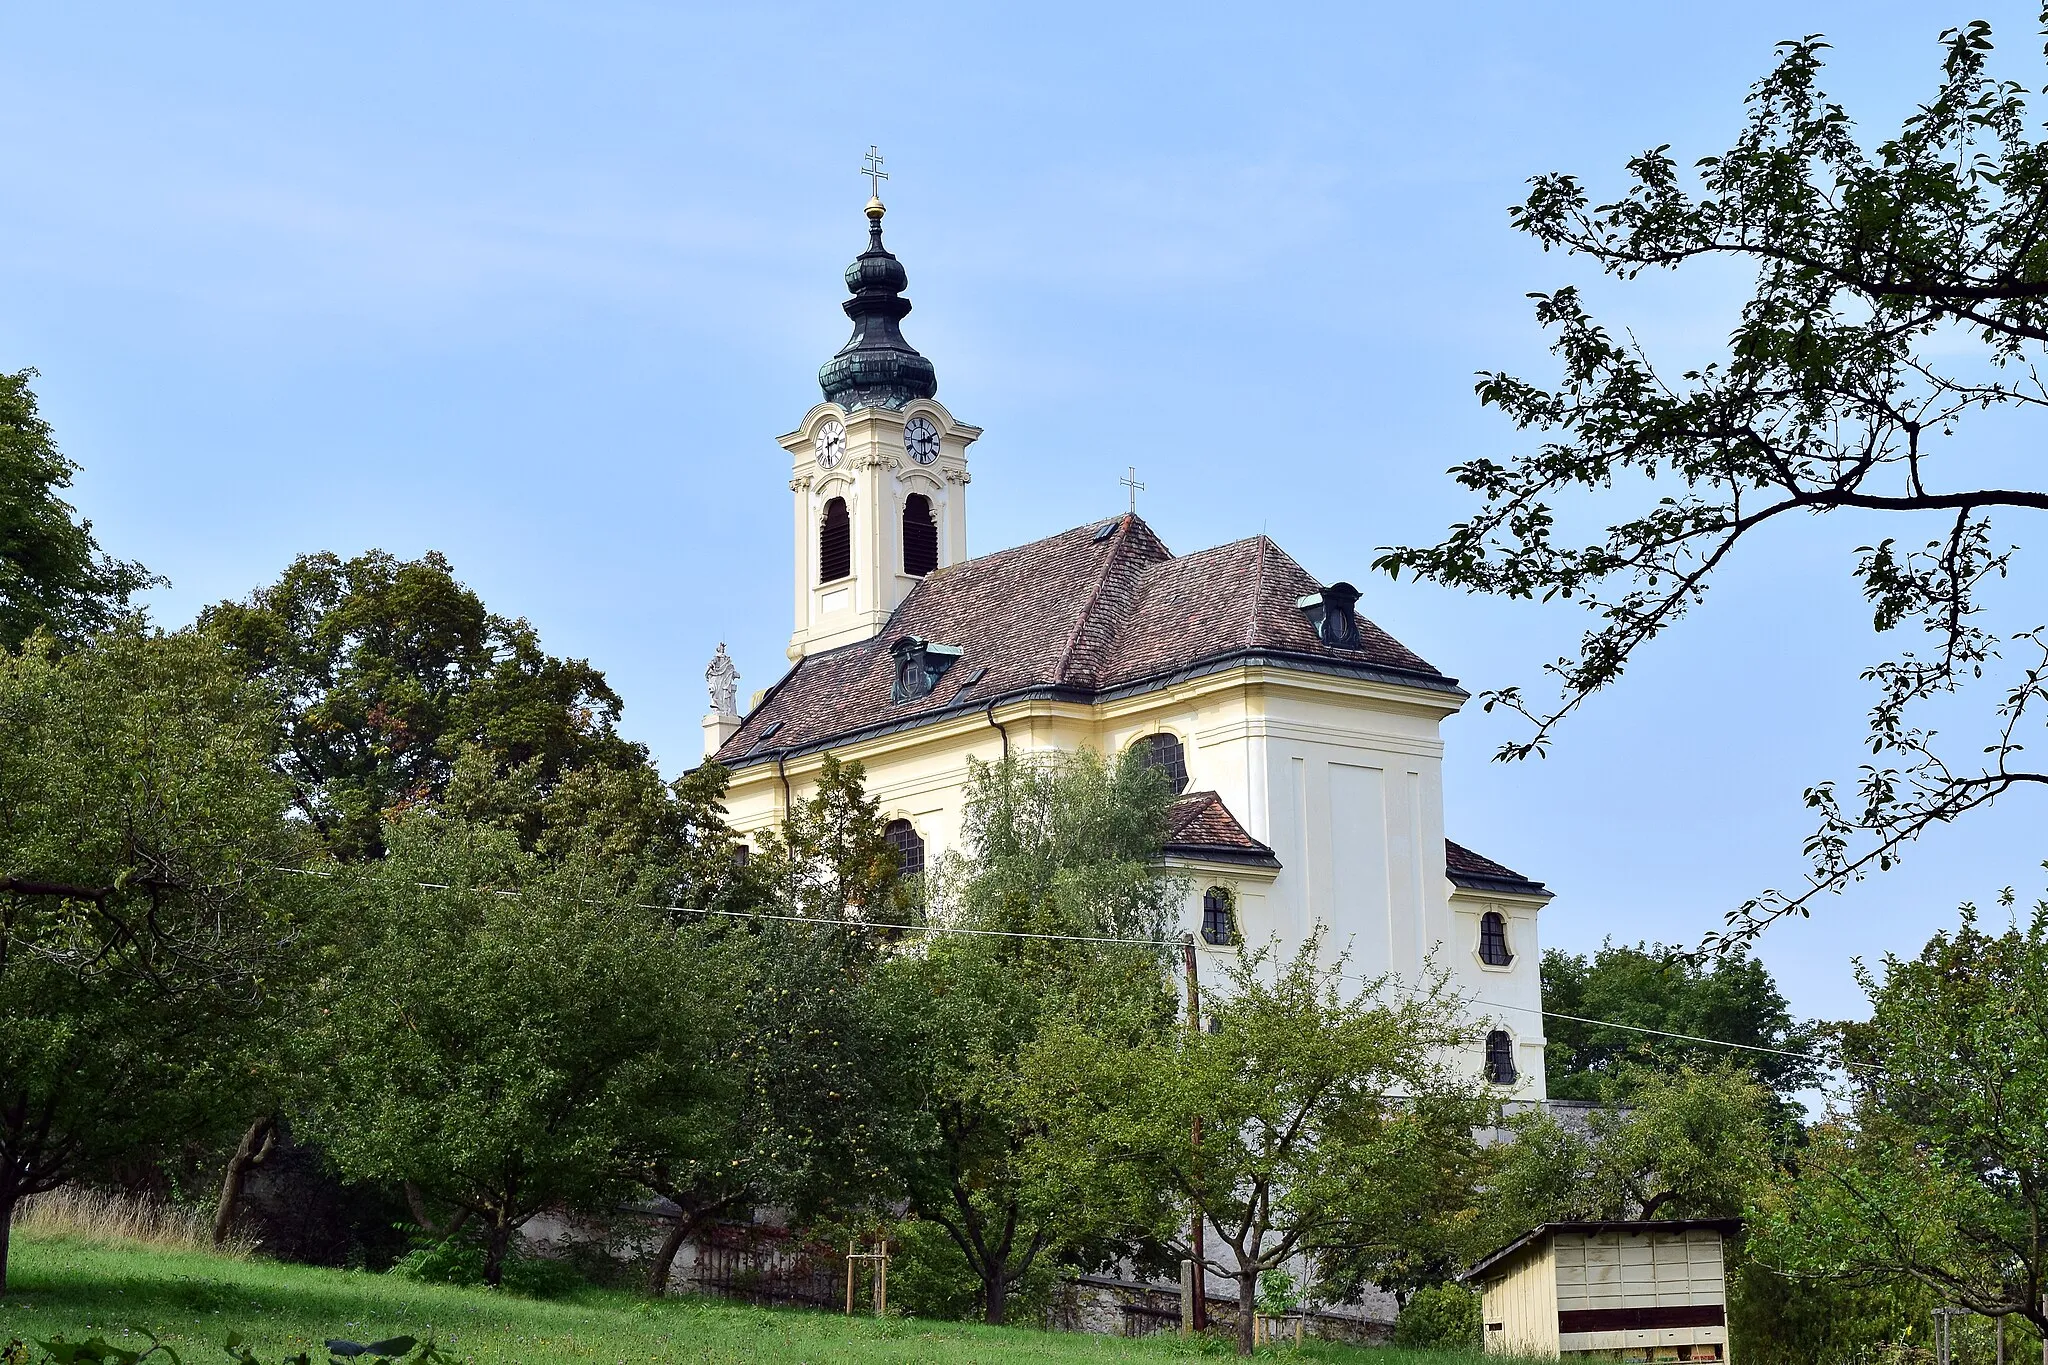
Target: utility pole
(1201, 1280)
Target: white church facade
(1304, 741)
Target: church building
(1302, 739)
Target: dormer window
(1334, 614)
(919, 666)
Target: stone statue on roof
(723, 678)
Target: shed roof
(1477, 872)
(1727, 1227)
(1201, 826)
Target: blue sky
(538, 285)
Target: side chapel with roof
(1302, 739)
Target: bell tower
(879, 468)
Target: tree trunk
(665, 1259)
(254, 1151)
(1247, 1306)
(8, 1199)
(494, 1252)
(995, 1297)
(417, 1202)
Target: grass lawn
(193, 1301)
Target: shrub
(1440, 1315)
(460, 1261)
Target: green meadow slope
(194, 1301)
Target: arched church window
(1493, 940)
(1219, 917)
(920, 536)
(835, 542)
(909, 847)
(1163, 751)
(1500, 1058)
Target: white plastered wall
(1342, 777)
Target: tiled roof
(1201, 826)
(1091, 610)
(1478, 873)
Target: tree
(1336, 1125)
(501, 1041)
(145, 923)
(815, 1117)
(387, 670)
(1899, 291)
(1689, 1143)
(53, 575)
(1729, 997)
(1937, 1170)
(1056, 844)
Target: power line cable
(817, 922)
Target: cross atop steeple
(873, 170)
(1130, 481)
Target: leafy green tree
(1780, 1319)
(1059, 844)
(501, 1041)
(145, 928)
(1686, 1144)
(1441, 1316)
(830, 859)
(53, 575)
(1937, 1171)
(1900, 293)
(1730, 997)
(1333, 1124)
(388, 670)
(816, 1121)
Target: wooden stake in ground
(878, 1266)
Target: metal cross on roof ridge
(1130, 481)
(873, 170)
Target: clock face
(831, 445)
(921, 439)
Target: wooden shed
(1642, 1291)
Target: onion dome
(876, 368)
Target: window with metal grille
(835, 542)
(1493, 940)
(1500, 1057)
(920, 536)
(908, 845)
(1164, 752)
(1219, 917)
